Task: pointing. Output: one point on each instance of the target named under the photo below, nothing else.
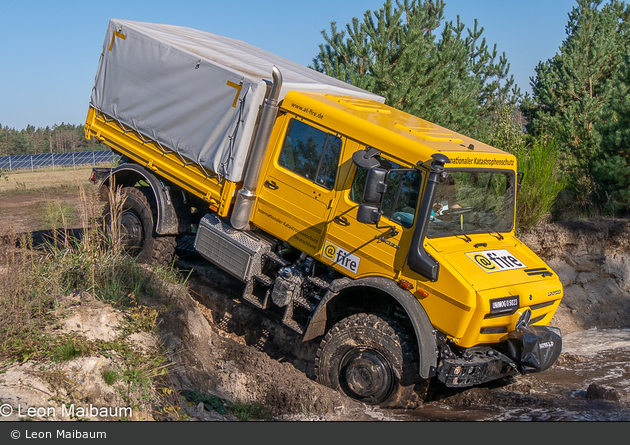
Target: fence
(54, 160)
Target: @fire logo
(330, 251)
(341, 257)
(496, 260)
(484, 262)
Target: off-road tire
(142, 242)
(371, 359)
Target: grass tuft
(110, 376)
(69, 350)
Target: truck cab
(373, 192)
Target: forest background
(571, 134)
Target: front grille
(504, 314)
(537, 319)
(533, 307)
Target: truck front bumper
(527, 350)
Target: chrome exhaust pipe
(246, 197)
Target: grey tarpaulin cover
(195, 92)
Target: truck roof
(199, 94)
(395, 132)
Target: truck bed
(168, 164)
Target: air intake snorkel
(418, 259)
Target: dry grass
(33, 280)
(36, 280)
(41, 200)
(24, 181)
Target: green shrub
(251, 411)
(542, 182)
(68, 350)
(209, 402)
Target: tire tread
(410, 389)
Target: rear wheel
(370, 359)
(136, 229)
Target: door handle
(342, 220)
(272, 185)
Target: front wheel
(136, 229)
(370, 359)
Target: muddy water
(606, 362)
(594, 357)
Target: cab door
(360, 249)
(297, 190)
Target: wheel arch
(167, 220)
(346, 297)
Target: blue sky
(50, 49)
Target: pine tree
(58, 139)
(616, 122)
(572, 92)
(454, 80)
(611, 170)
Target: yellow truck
(386, 238)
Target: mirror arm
(392, 229)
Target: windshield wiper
(491, 229)
(449, 229)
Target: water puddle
(590, 342)
(603, 359)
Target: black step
(303, 302)
(319, 282)
(294, 325)
(276, 259)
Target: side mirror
(375, 185)
(368, 214)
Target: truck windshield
(473, 201)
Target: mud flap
(535, 348)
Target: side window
(311, 153)
(401, 198)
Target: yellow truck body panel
(457, 303)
